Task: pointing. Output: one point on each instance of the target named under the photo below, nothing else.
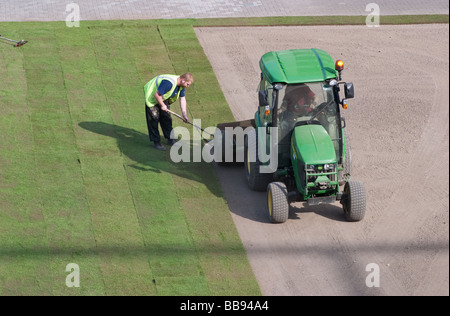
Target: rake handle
(179, 116)
(18, 43)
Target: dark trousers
(165, 120)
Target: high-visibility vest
(152, 86)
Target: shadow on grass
(230, 249)
(137, 147)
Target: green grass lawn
(79, 180)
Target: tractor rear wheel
(354, 201)
(256, 180)
(277, 202)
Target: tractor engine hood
(311, 144)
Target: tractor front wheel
(277, 202)
(354, 201)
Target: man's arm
(183, 108)
(163, 88)
(160, 100)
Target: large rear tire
(277, 202)
(354, 201)
(256, 180)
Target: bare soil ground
(398, 124)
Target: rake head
(20, 43)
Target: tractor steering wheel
(319, 109)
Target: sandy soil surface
(398, 124)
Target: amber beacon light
(339, 66)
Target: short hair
(188, 77)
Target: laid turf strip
(24, 247)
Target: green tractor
(296, 147)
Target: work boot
(170, 142)
(159, 146)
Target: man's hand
(185, 118)
(164, 107)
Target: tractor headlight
(311, 168)
(333, 82)
(321, 168)
(328, 167)
(278, 86)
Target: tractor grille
(321, 177)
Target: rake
(180, 117)
(18, 43)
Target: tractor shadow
(241, 201)
(331, 211)
(137, 147)
(252, 205)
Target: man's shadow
(136, 146)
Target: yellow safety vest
(152, 86)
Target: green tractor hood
(311, 144)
